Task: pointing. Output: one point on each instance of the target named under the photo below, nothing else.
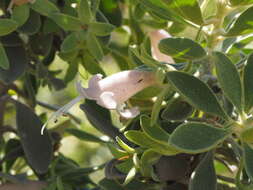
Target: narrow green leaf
(148, 158)
(204, 176)
(155, 132)
(125, 146)
(70, 43)
(21, 14)
(181, 48)
(243, 24)
(196, 93)
(197, 137)
(4, 61)
(158, 103)
(91, 64)
(84, 12)
(229, 79)
(59, 183)
(248, 83)
(44, 7)
(142, 140)
(67, 22)
(116, 152)
(72, 71)
(7, 26)
(82, 135)
(94, 46)
(247, 135)
(100, 28)
(17, 63)
(240, 2)
(130, 176)
(103, 122)
(248, 159)
(32, 24)
(38, 148)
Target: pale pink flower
(112, 92)
(155, 38)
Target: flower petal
(94, 80)
(129, 113)
(106, 99)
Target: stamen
(63, 110)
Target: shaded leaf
(4, 61)
(38, 148)
(18, 60)
(204, 176)
(32, 25)
(248, 159)
(103, 123)
(182, 48)
(197, 137)
(248, 83)
(229, 79)
(196, 93)
(148, 158)
(82, 135)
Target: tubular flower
(155, 38)
(111, 92)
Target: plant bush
(183, 93)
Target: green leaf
(70, 43)
(142, 140)
(148, 158)
(125, 146)
(7, 26)
(243, 24)
(155, 132)
(71, 71)
(178, 110)
(41, 44)
(17, 63)
(248, 83)
(59, 183)
(103, 123)
(196, 93)
(116, 152)
(190, 10)
(44, 7)
(204, 176)
(84, 12)
(38, 148)
(247, 135)
(4, 61)
(229, 79)
(66, 22)
(21, 14)
(158, 103)
(91, 64)
(160, 8)
(197, 137)
(248, 159)
(84, 136)
(181, 48)
(130, 176)
(94, 47)
(240, 2)
(32, 25)
(100, 28)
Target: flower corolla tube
(155, 37)
(111, 92)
